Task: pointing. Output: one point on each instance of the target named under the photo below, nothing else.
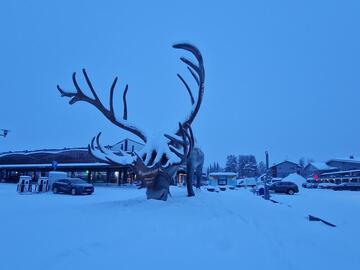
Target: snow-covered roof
(340, 172)
(222, 174)
(43, 151)
(347, 160)
(66, 149)
(321, 166)
(49, 165)
(285, 161)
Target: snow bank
(296, 178)
(117, 228)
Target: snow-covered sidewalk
(117, 228)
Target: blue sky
(282, 76)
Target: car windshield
(77, 181)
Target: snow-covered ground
(117, 228)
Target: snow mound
(296, 178)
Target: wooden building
(77, 162)
(285, 168)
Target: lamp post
(267, 177)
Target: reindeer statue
(158, 161)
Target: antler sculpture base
(158, 189)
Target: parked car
(310, 185)
(246, 182)
(284, 187)
(348, 186)
(327, 185)
(72, 186)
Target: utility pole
(267, 177)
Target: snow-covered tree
(231, 164)
(215, 167)
(261, 167)
(247, 166)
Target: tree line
(243, 165)
(247, 166)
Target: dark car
(310, 185)
(284, 187)
(72, 186)
(348, 186)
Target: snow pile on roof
(322, 166)
(284, 161)
(43, 151)
(351, 160)
(222, 174)
(296, 178)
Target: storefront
(222, 179)
(76, 162)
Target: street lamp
(267, 177)
(4, 132)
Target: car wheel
(55, 190)
(73, 191)
(291, 192)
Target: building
(77, 162)
(284, 168)
(344, 164)
(127, 145)
(222, 178)
(317, 168)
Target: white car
(327, 185)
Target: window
(222, 181)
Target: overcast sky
(282, 76)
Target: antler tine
(191, 142)
(198, 73)
(112, 89)
(78, 96)
(187, 88)
(90, 85)
(174, 140)
(95, 101)
(191, 135)
(195, 76)
(125, 103)
(184, 144)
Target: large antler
(79, 95)
(198, 73)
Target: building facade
(317, 168)
(76, 162)
(344, 164)
(283, 169)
